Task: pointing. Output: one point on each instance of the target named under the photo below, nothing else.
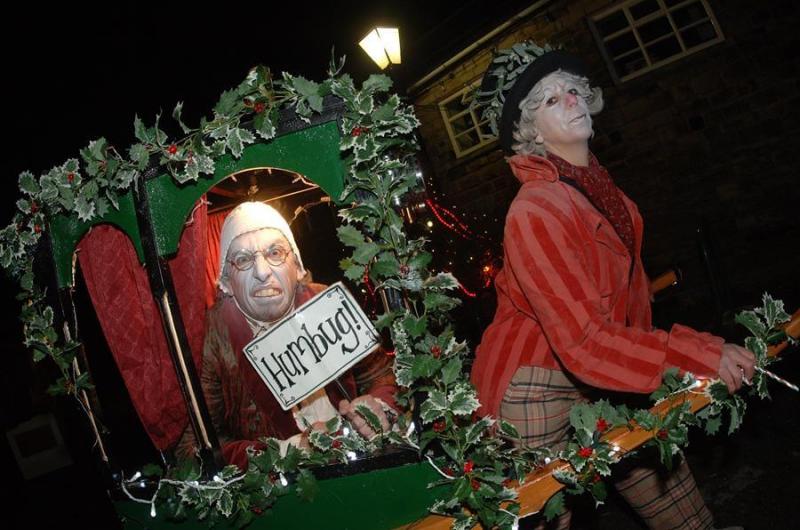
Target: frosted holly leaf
(463, 400)
(377, 83)
(176, 114)
(433, 407)
(264, 126)
(236, 139)
(28, 184)
(773, 311)
(85, 208)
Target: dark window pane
(454, 106)
(643, 8)
(663, 49)
(688, 14)
(612, 23)
(699, 34)
(655, 29)
(462, 123)
(671, 3)
(467, 140)
(624, 43)
(629, 64)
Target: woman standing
(573, 307)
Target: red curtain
(215, 221)
(120, 292)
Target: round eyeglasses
(244, 260)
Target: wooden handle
(663, 281)
(540, 485)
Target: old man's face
(264, 291)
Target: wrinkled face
(563, 117)
(266, 291)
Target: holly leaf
(425, 366)
(364, 253)
(554, 506)
(227, 103)
(350, 236)
(712, 424)
(433, 407)
(27, 183)
(377, 83)
(463, 400)
(415, 326)
(370, 417)
(264, 126)
(176, 114)
(451, 371)
(307, 487)
(752, 322)
(773, 311)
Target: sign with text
(312, 346)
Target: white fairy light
(135, 476)
(410, 430)
(153, 510)
(615, 448)
(418, 174)
(284, 482)
(142, 484)
(346, 431)
(351, 455)
(217, 479)
(547, 460)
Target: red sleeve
(545, 253)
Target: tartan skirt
(538, 402)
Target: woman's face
(562, 119)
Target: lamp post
(383, 46)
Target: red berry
(602, 425)
(34, 207)
(356, 131)
(662, 434)
(436, 351)
(468, 465)
(37, 229)
(449, 472)
(258, 108)
(339, 432)
(172, 149)
(585, 452)
(597, 478)
(439, 426)
(475, 485)
(336, 444)
(70, 177)
(256, 510)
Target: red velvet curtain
(120, 293)
(215, 221)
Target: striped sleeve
(544, 250)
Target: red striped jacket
(566, 300)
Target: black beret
(546, 64)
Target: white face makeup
(563, 118)
(264, 292)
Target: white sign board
(312, 346)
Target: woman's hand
(736, 366)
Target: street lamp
(383, 46)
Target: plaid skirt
(538, 401)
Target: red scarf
(599, 188)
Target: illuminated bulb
(143, 484)
(429, 224)
(217, 479)
(346, 431)
(284, 482)
(135, 476)
(153, 510)
(351, 455)
(615, 448)
(547, 460)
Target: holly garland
(476, 458)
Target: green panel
(66, 233)
(312, 152)
(378, 500)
